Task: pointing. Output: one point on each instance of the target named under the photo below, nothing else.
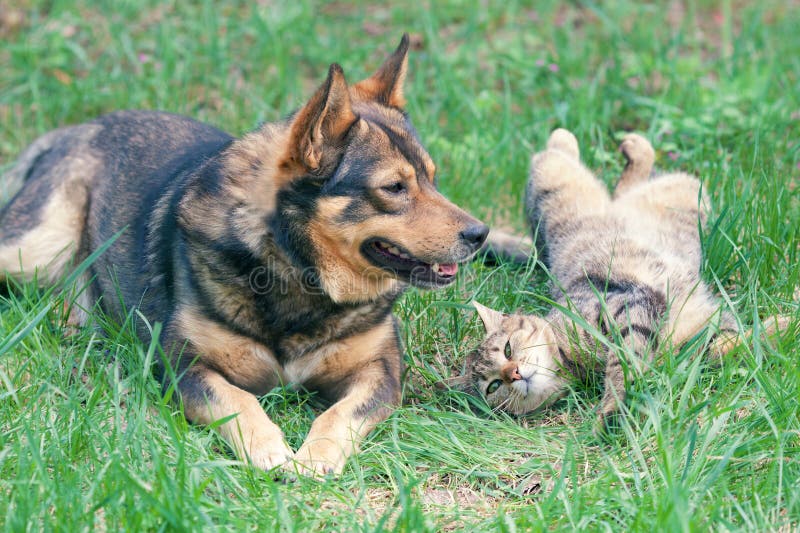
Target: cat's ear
(492, 319)
(459, 383)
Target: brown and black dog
(274, 258)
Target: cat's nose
(510, 372)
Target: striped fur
(628, 266)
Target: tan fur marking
(346, 274)
(430, 168)
(243, 361)
(406, 171)
(49, 248)
(252, 165)
(337, 433)
(430, 232)
(77, 306)
(251, 434)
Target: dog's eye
(395, 188)
(508, 350)
(493, 386)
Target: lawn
(88, 443)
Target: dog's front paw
(317, 461)
(271, 455)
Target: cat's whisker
(625, 275)
(501, 406)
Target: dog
(270, 259)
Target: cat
(626, 281)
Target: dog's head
(357, 194)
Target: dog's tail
(13, 180)
(504, 247)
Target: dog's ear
(322, 123)
(386, 85)
(491, 319)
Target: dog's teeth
(405, 255)
(435, 267)
(394, 250)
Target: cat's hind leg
(639, 158)
(565, 141)
(561, 191)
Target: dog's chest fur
(235, 273)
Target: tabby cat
(626, 280)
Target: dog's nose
(475, 235)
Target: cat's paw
(639, 159)
(638, 151)
(606, 426)
(564, 141)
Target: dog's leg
(42, 226)
(46, 245)
(208, 397)
(364, 377)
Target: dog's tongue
(448, 269)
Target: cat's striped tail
(728, 338)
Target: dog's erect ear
(323, 122)
(386, 85)
(492, 319)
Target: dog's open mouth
(405, 266)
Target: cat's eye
(493, 386)
(508, 350)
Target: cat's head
(517, 367)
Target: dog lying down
(273, 258)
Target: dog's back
(121, 164)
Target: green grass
(87, 442)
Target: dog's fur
(274, 258)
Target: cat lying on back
(628, 266)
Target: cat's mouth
(406, 266)
(522, 387)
